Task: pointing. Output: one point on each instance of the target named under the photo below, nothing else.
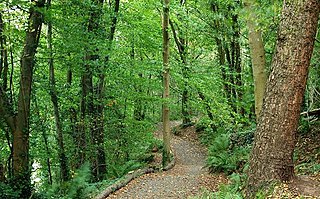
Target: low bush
(223, 158)
(7, 192)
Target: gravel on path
(186, 178)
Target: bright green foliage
(78, 188)
(223, 159)
(132, 94)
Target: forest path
(185, 179)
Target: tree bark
(181, 44)
(258, 57)
(2, 172)
(92, 103)
(20, 125)
(236, 63)
(272, 153)
(166, 83)
(64, 170)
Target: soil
(187, 178)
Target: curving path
(185, 179)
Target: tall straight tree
(19, 122)
(92, 103)
(4, 66)
(258, 56)
(166, 83)
(272, 153)
(181, 40)
(64, 170)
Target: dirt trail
(186, 178)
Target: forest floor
(187, 178)
(307, 168)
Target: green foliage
(78, 188)
(228, 151)
(7, 192)
(304, 126)
(133, 85)
(118, 171)
(222, 159)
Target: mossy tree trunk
(166, 83)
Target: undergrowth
(228, 152)
(228, 149)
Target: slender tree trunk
(92, 104)
(139, 110)
(45, 140)
(2, 171)
(1, 44)
(257, 56)
(272, 153)
(64, 170)
(166, 83)
(236, 60)
(101, 159)
(207, 105)
(222, 54)
(4, 66)
(181, 44)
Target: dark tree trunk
(182, 45)
(2, 172)
(92, 103)
(236, 63)
(64, 169)
(2, 44)
(20, 124)
(45, 140)
(101, 159)
(272, 154)
(207, 105)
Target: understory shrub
(77, 188)
(223, 157)
(7, 192)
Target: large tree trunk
(166, 83)
(257, 56)
(21, 170)
(92, 103)
(272, 154)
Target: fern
(223, 159)
(77, 188)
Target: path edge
(131, 176)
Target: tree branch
(177, 41)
